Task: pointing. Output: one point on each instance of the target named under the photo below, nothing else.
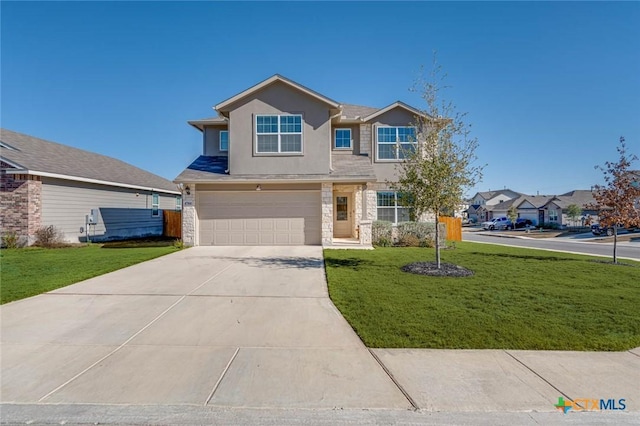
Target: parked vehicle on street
(501, 222)
(596, 229)
(523, 223)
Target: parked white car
(501, 222)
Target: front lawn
(517, 299)
(30, 271)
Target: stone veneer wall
(189, 217)
(327, 214)
(20, 205)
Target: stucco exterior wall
(212, 141)
(275, 99)
(386, 169)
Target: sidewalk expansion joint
(394, 380)
(540, 376)
(633, 353)
(224, 373)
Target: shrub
(48, 237)
(381, 233)
(420, 230)
(10, 240)
(409, 240)
(550, 225)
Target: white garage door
(259, 218)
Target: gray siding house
(283, 164)
(45, 183)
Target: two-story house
(283, 164)
(483, 203)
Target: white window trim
(279, 152)
(220, 141)
(335, 139)
(396, 143)
(394, 207)
(178, 203)
(155, 205)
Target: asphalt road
(626, 250)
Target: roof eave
(25, 171)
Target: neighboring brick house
(283, 164)
(45, 183)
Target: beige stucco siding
(279, 98)
(355, 138)
(386, 169)
(122, 212)
(212, 140)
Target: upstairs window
(279, 134)
(224, 140)
(343, 138)
(394, 142)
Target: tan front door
(342, 215)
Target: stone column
(327, 214)
(189, 217)
(371, 201)
(365, 232)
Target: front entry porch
(348, 211)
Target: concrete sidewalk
(249, 335)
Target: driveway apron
(218, 326)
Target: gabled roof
(276, 78)
(580, 197)
(39, 157)
(396, 104)
(352, 112)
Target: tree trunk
(615, 243)
(437, 241)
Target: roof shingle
(39, 155)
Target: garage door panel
(266, 218)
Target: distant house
(483, 205)
(45, 183)
(555, 210)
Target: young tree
(574, 212)
(617, 200)
(512, 214)
(440, 166)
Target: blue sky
(548, 87)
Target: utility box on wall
(92, 218)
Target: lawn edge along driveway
(31, 271)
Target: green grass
(31, 271)
(517, 299)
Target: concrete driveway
(217, 326)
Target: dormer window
(279, 134)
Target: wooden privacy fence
(454, 227)
(172, 224)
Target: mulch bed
(430, 268)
